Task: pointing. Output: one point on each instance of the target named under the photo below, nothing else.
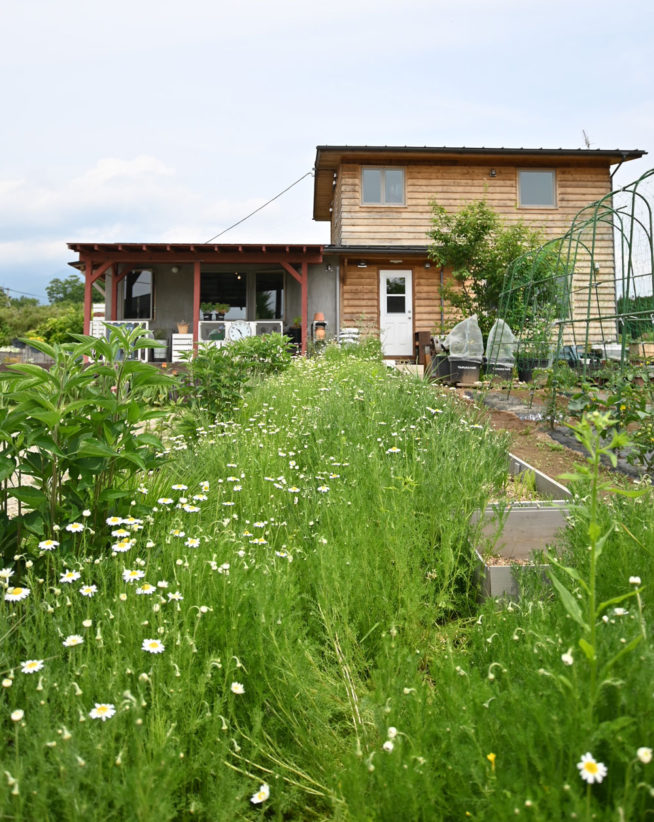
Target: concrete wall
(323, 295)
(173, 296)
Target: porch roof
(152, 253)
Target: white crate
(181, 344)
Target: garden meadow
(249, 592)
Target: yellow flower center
(591, 767)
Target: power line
(24, 293)
(272, 199)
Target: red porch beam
(303, 279)
(196, 305)
(90, 276)
(116, 278)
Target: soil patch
(553, 452)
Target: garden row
(278, 613)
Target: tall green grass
(328, 571)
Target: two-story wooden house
(375, 271)
(378, 202)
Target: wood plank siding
(360, 296)
(453, 186)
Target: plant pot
(464, 372)
(526, 366)
(182, 328)
(503, 371)
(439, 369)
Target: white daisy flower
(31, 666)
(237, 688)
(72, 640)
(16, 594)
(48, 544)
(153, 646)
(261, 795)
(590, 770)
(102, 710)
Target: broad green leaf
(149, 439)
(30, 496)
(569, 602)
(95, 449)
(7, 468)
(49, 418)
(587, 648)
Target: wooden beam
(197, 281)
(303, 279)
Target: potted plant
(160, 353)
(182, 327)
(221, 309)
(207, 310)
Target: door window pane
(396, 285)
(395, 304)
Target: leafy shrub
(74, 434)
(217, 378)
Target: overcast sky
(169, 121)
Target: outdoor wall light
(362, 264)
(493, 173)
(175, 269)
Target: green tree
(69, 290)
(478, 247)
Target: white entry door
(395, 314)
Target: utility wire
(299, 180)
(24, 293)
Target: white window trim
(382, 204)
(556, 189)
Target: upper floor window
(537, 189)
(382, 186)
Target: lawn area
(279, 619)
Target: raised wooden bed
(511, 533)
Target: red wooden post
(196, 305)
(304, 285)
(88, 298)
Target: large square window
(382, 186)
(537, 189)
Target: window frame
(551, 171)
(383, 170)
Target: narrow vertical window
(138, 296)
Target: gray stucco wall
(323, 295)
(173, 296)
